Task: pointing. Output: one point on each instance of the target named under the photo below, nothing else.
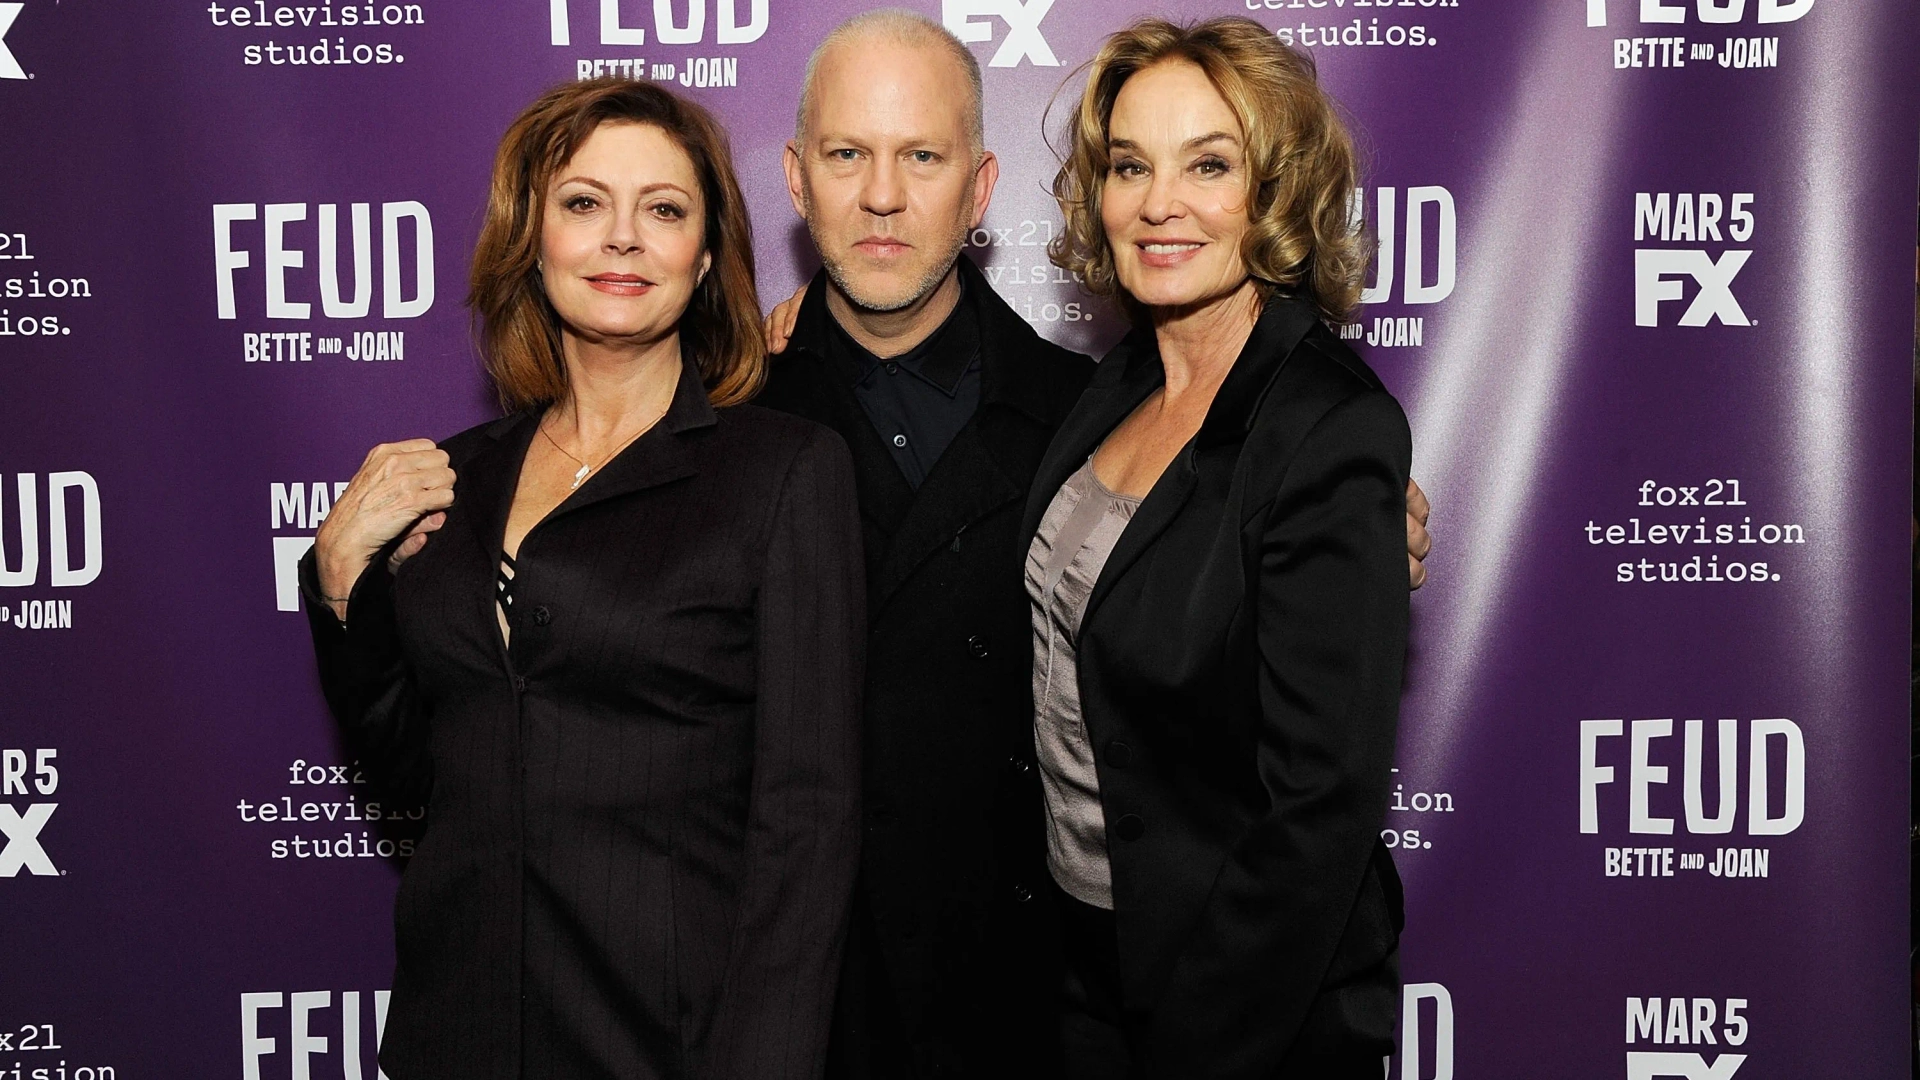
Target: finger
(416, 460)
(1419, 541)
(1417, 504)
(789, 312)
(408, 549)
(1416, 573)
(428, 524)
(433, 499)
(383, 451)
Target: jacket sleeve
(367, 684)
(802, 845)
(1331, 626)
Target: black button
(1119, 754)
(899, 440)
(892, 368)
(520, 683)
(1019, 764)
(977, 645)
(1022, 894)
(1129, 827)
(542, 616)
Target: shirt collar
(942, 358)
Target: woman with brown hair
(611, 640)
(1217, 567)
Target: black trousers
(1103, 1038)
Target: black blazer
(953, 966)
(1239, 663)
(642, 826)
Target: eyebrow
(1191, 144)
(647, 190)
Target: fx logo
(23, 840)
(1656, 274)
(1648, 1065)
(1023, 28)
(9, 67)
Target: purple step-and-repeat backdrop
(1642, 287)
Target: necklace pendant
(579, 477)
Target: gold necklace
(586, 470)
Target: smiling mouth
(1162, 254)
(620, 284)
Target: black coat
(953, 968)
(642, 826)
(1240, 662)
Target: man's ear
(985, 176)
(796, 182)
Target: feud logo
(1024, 40)
(68, 519)
(305, 1036)
(276, 242)
(1776, 765)
(728, 29)
(1706, 11)
(23, 850)
(1659, 274)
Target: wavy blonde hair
(1301, 161)
(520, 331)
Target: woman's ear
(706, 264)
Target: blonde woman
(1217, 569)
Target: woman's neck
(614, 390)
(1198, 344)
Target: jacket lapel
(661, 456)
(488, 480)
(965, 485)
(1282, 324)
(1126, 377)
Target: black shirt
(918, 401)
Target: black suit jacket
(953, 967)
(1240, 662)
(642, 827)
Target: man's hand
(779, 324)
(1418, 542)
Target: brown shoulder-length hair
(520, 331)
(1303, 170)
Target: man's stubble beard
(879, 304)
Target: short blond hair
(1300, 159)
(900, 27)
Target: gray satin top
(1077, 534)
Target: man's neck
(887, 334)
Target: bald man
(947, 399)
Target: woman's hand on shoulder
(402, 488)
(780, 321)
